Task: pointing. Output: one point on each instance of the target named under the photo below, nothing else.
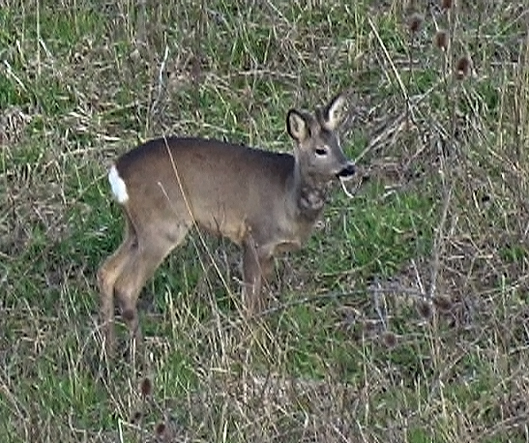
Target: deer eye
(321, 151)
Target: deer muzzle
(347, 172)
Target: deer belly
(233, 228)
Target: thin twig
(160, 79)
(438, 243)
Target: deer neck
(309, 196)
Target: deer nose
(347, 172)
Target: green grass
(349, 352)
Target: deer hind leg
(107, 275)
(257, 268)
(143, 261)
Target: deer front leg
(257, 268)
(251, 277)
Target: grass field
(405, 317)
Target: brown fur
(265, 202)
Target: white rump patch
(119, 188)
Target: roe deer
(266, 202)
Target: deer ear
(333, 112)
(297, 126)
